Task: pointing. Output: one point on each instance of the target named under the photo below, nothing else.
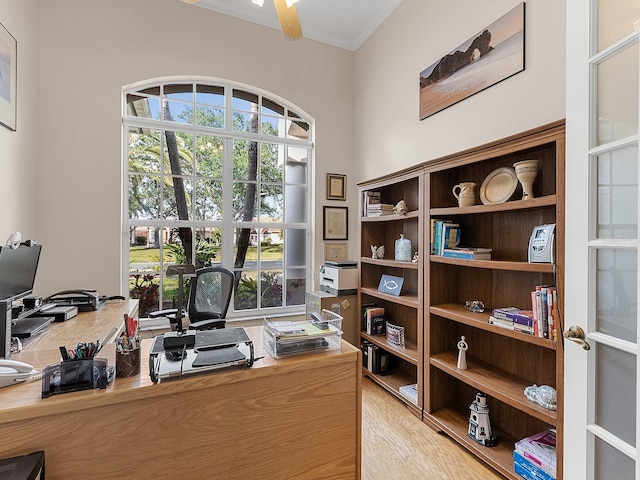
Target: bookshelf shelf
(408, 353)
(392, 384)
(410, 301)
(496, 383)
(458, 314)
(495, 264)
(389, 263)
(456, 426)
(546, 201)
(391, 218)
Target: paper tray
(283, 338)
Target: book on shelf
(510, 325)
(379, 209)
(468, 253)
(444, 234)
(527, 469)
(540, 450)
(374, 358)
(544, 301)
(369, 199)
(410, 392)
(503, 312)
(373, 321)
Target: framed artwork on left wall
(336, 186)
(335, 223)
(8, 78)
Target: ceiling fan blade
(289, 21)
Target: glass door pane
(617, 96)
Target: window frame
(228, 136)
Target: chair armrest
(170, 312)
(208, 324)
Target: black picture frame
(335, 223)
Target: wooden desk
(298, 417)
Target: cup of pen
(128, 350)
(128, 363)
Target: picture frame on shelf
(390, 284)
(336, 186)
(335, 224)
(8, 78)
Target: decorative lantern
(479, 425)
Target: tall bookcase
(501, 362)
(406, 310)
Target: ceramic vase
(526, 172)
(403, 249)
(465, 194)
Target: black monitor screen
(18, 270)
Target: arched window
(216, 173)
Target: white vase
(403, 249)
(526, 172)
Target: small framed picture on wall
(336, 186)
(335, 223)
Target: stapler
(13, 372)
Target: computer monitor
(18, 268)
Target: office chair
(209, 298)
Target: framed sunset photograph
(492, 55)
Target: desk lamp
(180, 339)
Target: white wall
(61, 171)
(389, 133)
(19, 149)
(91, 48)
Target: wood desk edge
(24, 401)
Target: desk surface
(262, 420)
(84, 327)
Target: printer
(339, 278)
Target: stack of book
(513, 318)
(444, 234)
(373, 207)
(544, 304)
(468, 253)
(534, 457)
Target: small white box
(320, 333)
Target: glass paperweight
(475, 306)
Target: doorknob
(576, 334)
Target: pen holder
(127, 363)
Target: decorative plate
(498, 186)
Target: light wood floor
(398, 446)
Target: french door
(601, 372)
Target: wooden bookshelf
(405, 309)
(501, 362)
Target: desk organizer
(320, 332)
(75, 375)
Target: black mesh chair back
(209, 299)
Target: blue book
(468, 253)
(437, 237)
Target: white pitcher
(465, 194)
